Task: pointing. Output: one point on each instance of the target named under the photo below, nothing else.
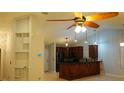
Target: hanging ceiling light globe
(95, 41)
(66, 42)
(83, 29)
(78, 29)
(86, 41)
(75, 38)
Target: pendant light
(66, 42)
(95, 39)
(75, 38)
(86, 41)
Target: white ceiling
(56, 31)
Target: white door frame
(1, 64)
(46, 59)
(53, 58)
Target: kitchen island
(70, 71)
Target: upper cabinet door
(93, 51)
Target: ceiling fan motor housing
(79, 21)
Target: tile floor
(55, 77)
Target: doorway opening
(1, 65)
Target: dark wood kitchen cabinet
(68, 54)
(93, 51)
(70, 71)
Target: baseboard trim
(114, 75)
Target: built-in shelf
(22, 32)
(22, 44)
(20, 73)
(17, 51)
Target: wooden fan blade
(71, 26)
(101, 16)
(78, 14)
(61, 20)
(91, 24)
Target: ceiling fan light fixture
(77, 29)
(66, 43)
(83, 29)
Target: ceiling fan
(81, 20)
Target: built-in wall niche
(22, 25)
(21, 73)
(122, 49)
(22, 50)
(21, 59)
(25, 46)
(25, 37)
(0, 65)
(22, 42)
(21, 70)
(122, 57)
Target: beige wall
(6, 46)
(46, 59)
(3, 36)
(36, 63)
(9, 63)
